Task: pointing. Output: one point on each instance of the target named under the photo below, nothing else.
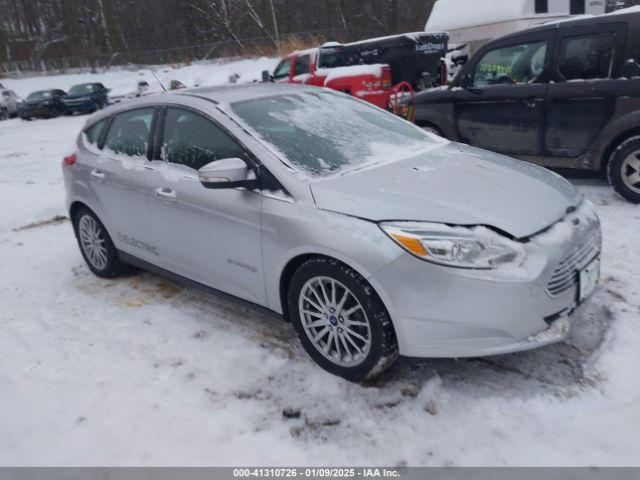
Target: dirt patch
(58, 219)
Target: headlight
(477, 247)
(46, 104)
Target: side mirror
(227, 173)
(266, 76)
(465, 81)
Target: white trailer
(475, 22)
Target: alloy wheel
(334, 321)
(630, 171)
(93, 242)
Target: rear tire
(623, 169)
(96, 246)
(343, 326)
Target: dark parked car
(42, 104)
(563, 95)
(86, 98)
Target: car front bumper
(40, 111)
(71, 106)
(446, 312)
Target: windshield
(80, 89)
(39, 95)
(323, 132)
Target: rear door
(582, 97)
(503, 110)
(119, 177)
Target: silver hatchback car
(373, 237)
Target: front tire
(432, 129)
(623, 170)
(340, 320)
(96, 246)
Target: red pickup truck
(370, 69)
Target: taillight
(386, 77)
(69, 160)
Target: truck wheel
(623, 169)
(340, 320)
(432, 129)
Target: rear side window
(511, 65)
(586, 57)
(94, 131)
(302, 65)
(129, 132)
(191, 139)
(631, 67)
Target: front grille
(566, 273)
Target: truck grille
(565, 274)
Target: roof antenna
(156, 77)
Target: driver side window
(516, 64)
(191, 139)
(282, 70)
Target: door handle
(530, 102)
(166, 194)
(97, 175)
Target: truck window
(576, 7)
(282, 70)
(302, 65)
(586, 57)
(542, 6)
(631, 66)
(516, 64)
(330, 58)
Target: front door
(210, 236)
(502, 108)
(582, 98)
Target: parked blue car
(85, 98)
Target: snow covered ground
(142, 371)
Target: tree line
(45, 29)
(103, 32)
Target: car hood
(453, 184)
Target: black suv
(563, 95)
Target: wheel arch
(429, 124)
(75, 206)
(292, 265)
